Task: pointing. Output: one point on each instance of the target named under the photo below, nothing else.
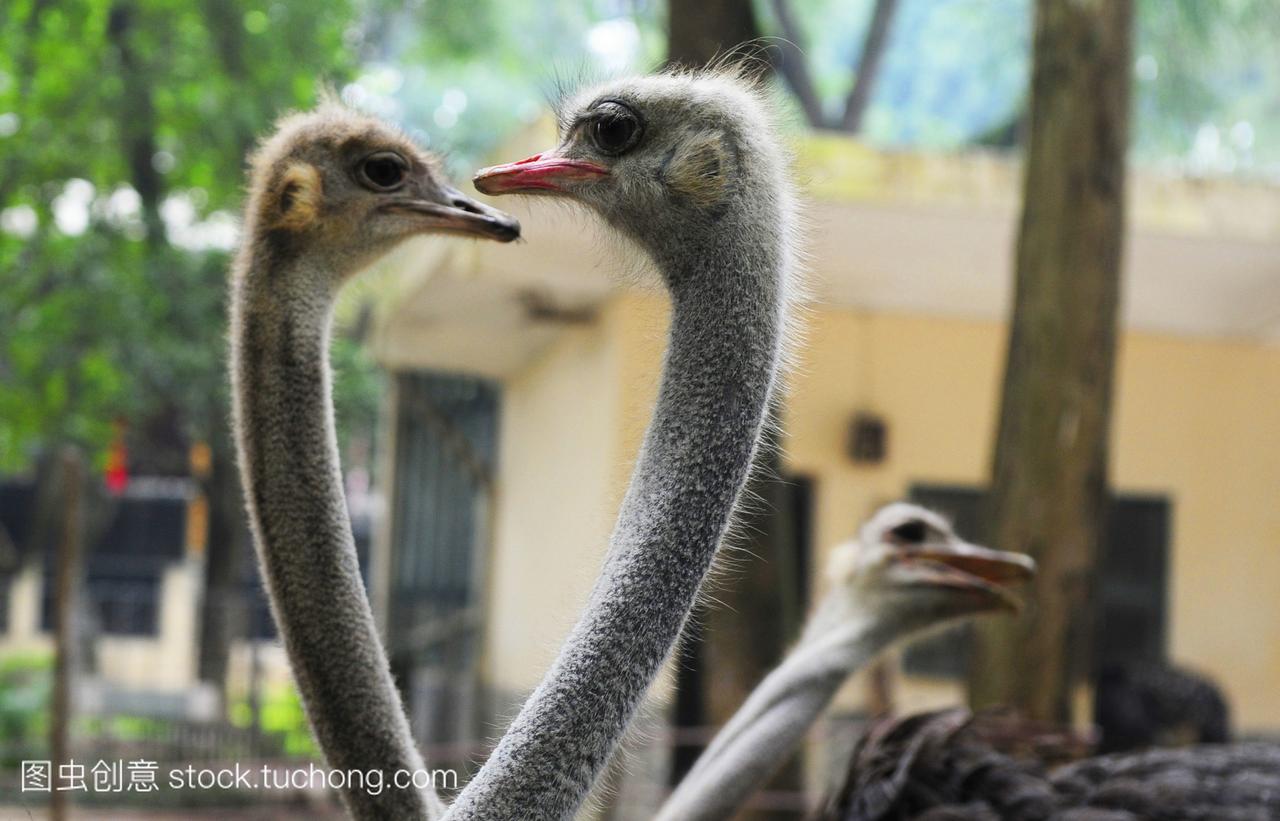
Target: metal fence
(446, 431)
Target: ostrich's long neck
(775, 717)
(728, 306)
(289, 466)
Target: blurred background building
(531, 369)
(491, 399)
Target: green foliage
(26, 683)
(1206, 93)
(358, 386)
(125, 156)
(462, 76)
(122, 163)
(124, 124)
(127, 728)
(26, 686)
(281, 715)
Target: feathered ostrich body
(1139, 705)
(935, 767)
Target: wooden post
(1049, 487)
(66, 587)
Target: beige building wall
(1195, 420)
(165, 661)
(24, 634)
(557, 456)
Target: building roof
(906, 232)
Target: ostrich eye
(384, 171)
(615, 128)
(913, 532)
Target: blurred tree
(901, 71)
(793, 68)
(953, 73)
(121, 169)
(68, 575)
(1049, 487)
(873, 48)
(700, 31)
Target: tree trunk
(699, 31)
(873, 48)
(1050, 468)
(880, 678)
(68, 564)
(789, 60)
(224, 615)
(137, 120)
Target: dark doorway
(779, 527)
(125, 565)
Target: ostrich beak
(995, 566)
(452, 211)
(979, 574)
(535, 174)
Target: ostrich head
(909, 566)
(671, 160)
(340, 186)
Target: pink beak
(536, 174)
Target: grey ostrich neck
(727, 288)
(289, 466)
(838, 641)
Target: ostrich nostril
(465, 204)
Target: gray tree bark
(225, 612)
(792, 66)
(699, 31)
(789, 60)
(69, 564)
(864, 81)
(1050, 466)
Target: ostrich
(329, 192)
(906, 571)
(938, 767)
(1140, 704)
(689, 168)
